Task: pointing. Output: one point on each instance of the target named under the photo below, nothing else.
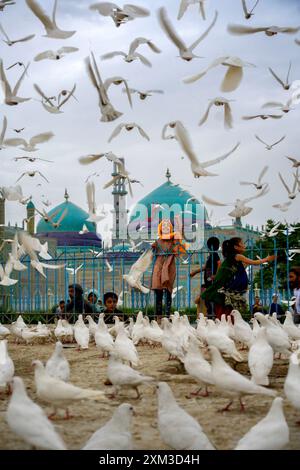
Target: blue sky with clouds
(78, 131)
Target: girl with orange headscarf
(168, 245)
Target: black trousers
(159, 293)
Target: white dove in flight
(52, 30)
(186, 53)
(132, 54)
(198, 168)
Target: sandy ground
(89, 371)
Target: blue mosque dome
(67, 233)
(167, 200)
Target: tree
(279, 245)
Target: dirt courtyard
(89, 371)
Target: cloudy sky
(78, 131)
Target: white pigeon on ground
(270, 433)
(123, 376)
(58, 393)
(30, 336)
(116, 433)
(170, 342)
(260, 358)
(7, 368)
(198, 367)
(43, 329)
(28, 421)
(119, 325)
(92, 326)
(277, 337)
(177, 428)
(292, 381)
(242, 329)
(18, 326)
(4, 332)
(57, 365)
(81, 333)
(201, 329)
(152, 333)
(255, 328)
(125, 348)
(137, 270)
(223, 325)
(64, 331)
(231, 382)
(289, 326)
(137, 333)
(216, 337)
(103, 339)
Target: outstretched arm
(197, 271)
(248, 261)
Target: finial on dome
(168, 175)
(66, 196)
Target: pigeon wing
(4, 127)
(206, 114)
(169, 30)
(142, 132)
(116, 131)
(276, 77)
(40, 14)
(40, 138)
(212, 202)
(195, 44)
(185, 142)
(219, 159)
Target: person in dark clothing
(231, 282)
(77, 303)
(92, 298)
(294, 282)
(275, 307)
(257, 306)
(210, 269)
(60, 308)
(110, 300)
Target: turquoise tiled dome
(168, 194)
(73, 221)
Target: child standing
(210, 269)
(168, 245)
(231, 282)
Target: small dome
(67, 233)
(73, 221)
